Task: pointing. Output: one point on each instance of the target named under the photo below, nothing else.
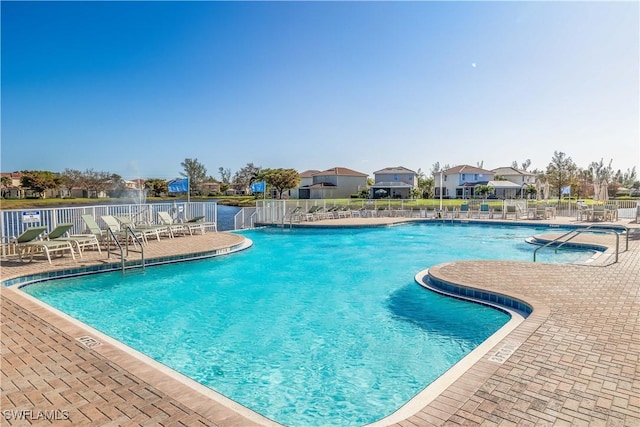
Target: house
(11, 187)
(394, 182)
(334, 183)
(210, 188)
(459, 182)
(520, 178)
(306, 179)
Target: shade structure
(596, 190)
(538, 190)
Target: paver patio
(575, 361)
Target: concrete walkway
(573, 361)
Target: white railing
(245, 218)
(278, 211)
(14, 222)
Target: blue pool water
(307, 327)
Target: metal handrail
(111, 235)
(623, 228)
(578, 231)
(128, 230)
(133, 234)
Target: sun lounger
(198, 223)
(79, 241)
(463, 211)
(27, 244)
(156, 230)
(510, 210)
(175, 227)
(122, 234)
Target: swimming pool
(307, 327)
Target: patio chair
(293, 215)
(463, 211)
(485, 210)
(28, 245)
(120, 234)
(541, 212)
(510, 210)
(198, 223)
(78, 240)
(175, 227)
(93, 228)
(146, 229)
(599, 213)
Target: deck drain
(89, 342)
(505, 352)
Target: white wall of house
(454, 178)
(345, 186)
(516, 176)
(406, 177)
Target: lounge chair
(27, 244)
(463, 211)
(94, 229)
(146, 229)
(312, 213)
(78, 240)
(510, 210)
(123, 234)
(175, 227)
(483, 210)
(293, 215)
(343, 212)
(198, 223)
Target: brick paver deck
(575, 360)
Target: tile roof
(467, 169)
(340, 171)
(395, 169)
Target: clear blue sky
(134, 88)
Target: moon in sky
(473, 64)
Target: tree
(95, 182)
(40, 181)
(157, 186)
(530, 191)
(5, 182)
(560, 171)
(71, 178)
(280, 179)
(483, 190)
(194, 171)
(245, 176)
(425, 185)
(525, 165)
(225, 175)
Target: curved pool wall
(442, 287)
(117, 266)
(479, 296)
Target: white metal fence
(279, 211)
(14, 222)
